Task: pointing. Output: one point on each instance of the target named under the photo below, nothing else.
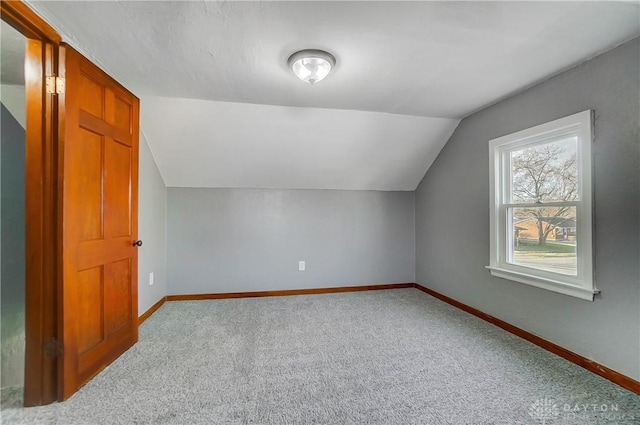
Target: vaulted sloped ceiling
(226, 144)
(220, 108)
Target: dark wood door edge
(19, 15)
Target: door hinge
(55, 85)
(53, 348)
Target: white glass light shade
(311, 66)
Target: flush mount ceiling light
(311, 65)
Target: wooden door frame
(42, 218)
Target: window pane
(545, 173)
(544, 238)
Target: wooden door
(99, 140)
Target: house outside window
(541, 206)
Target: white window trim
(582, 285)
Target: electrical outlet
(151, 278)
(301, 266)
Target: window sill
(548, 284)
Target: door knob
(137, 243)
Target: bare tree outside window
(541, 174)
(544, 233)
(541, 206)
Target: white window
(541, 206)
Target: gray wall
(152, 219)
(452, 213)
(235, 240)
(12, 279)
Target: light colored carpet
(11, 397)
(382, 357)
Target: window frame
(582, 285)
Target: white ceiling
(421, 59)
(280, 146)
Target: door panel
(117, 189)
(100, 163)
(117, 296)
(90, 291)
(86, 160)
(92, 96)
